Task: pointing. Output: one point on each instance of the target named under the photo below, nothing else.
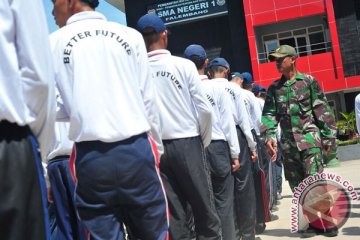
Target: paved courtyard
(280, 229)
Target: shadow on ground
(355, 215)
(283, 233)
(354, 231)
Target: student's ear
(293, 59)
(227, 71)
(165, 33)
(71, 4)
(206, 63)
(210, 74)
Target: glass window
(306, 40)
(315, 29)
(288, 41)
(301, 48)
(270, 37)
(300, 32)
(317, 42)
(270, 46)
(285, 34)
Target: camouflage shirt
(302, 110)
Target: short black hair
(262, 95)
(150, 37)
(217, 69)
(199, 61)
(92, 3)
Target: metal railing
(311, 49)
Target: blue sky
(110, 12)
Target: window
(301, 45)
(306, 41)
(270, 46)
(300, 32)
(317, 42)
(270, 37)
(285, 34)
(288, 41)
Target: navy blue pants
(119, 183)
(69, 226)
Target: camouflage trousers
(300, 164)
(331, 155)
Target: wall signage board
(177, 11)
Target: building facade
(325, 33)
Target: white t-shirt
(239, 111)
(223, 124)
(27, 94)
(184, 109)
(102, 73)
(253, 108)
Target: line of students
(179, 90)
(129, 104)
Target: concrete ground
(280, 229)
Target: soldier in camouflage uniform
(306, 119)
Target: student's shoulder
(182, 60)
(183, 64)
(59, 36)
(357, 98)
(129, 31)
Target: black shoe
(277, 202)
(260, 228)
(278, 196)
(331, 232)
(252, 238)
(273, 217)
(274, 209)
(307, 233)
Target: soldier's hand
(254, 156)
(327, 149)
(271, 148)
(235, 164)
(49, 195)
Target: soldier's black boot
(331, 232)
(308, 233)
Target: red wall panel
(288, 13)
(261, 6)
(268, 11)
(264, 18)
(285, 3)
(307, 1)
(352, 82)
(312, 8)
(320, 62)
(326, 67)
